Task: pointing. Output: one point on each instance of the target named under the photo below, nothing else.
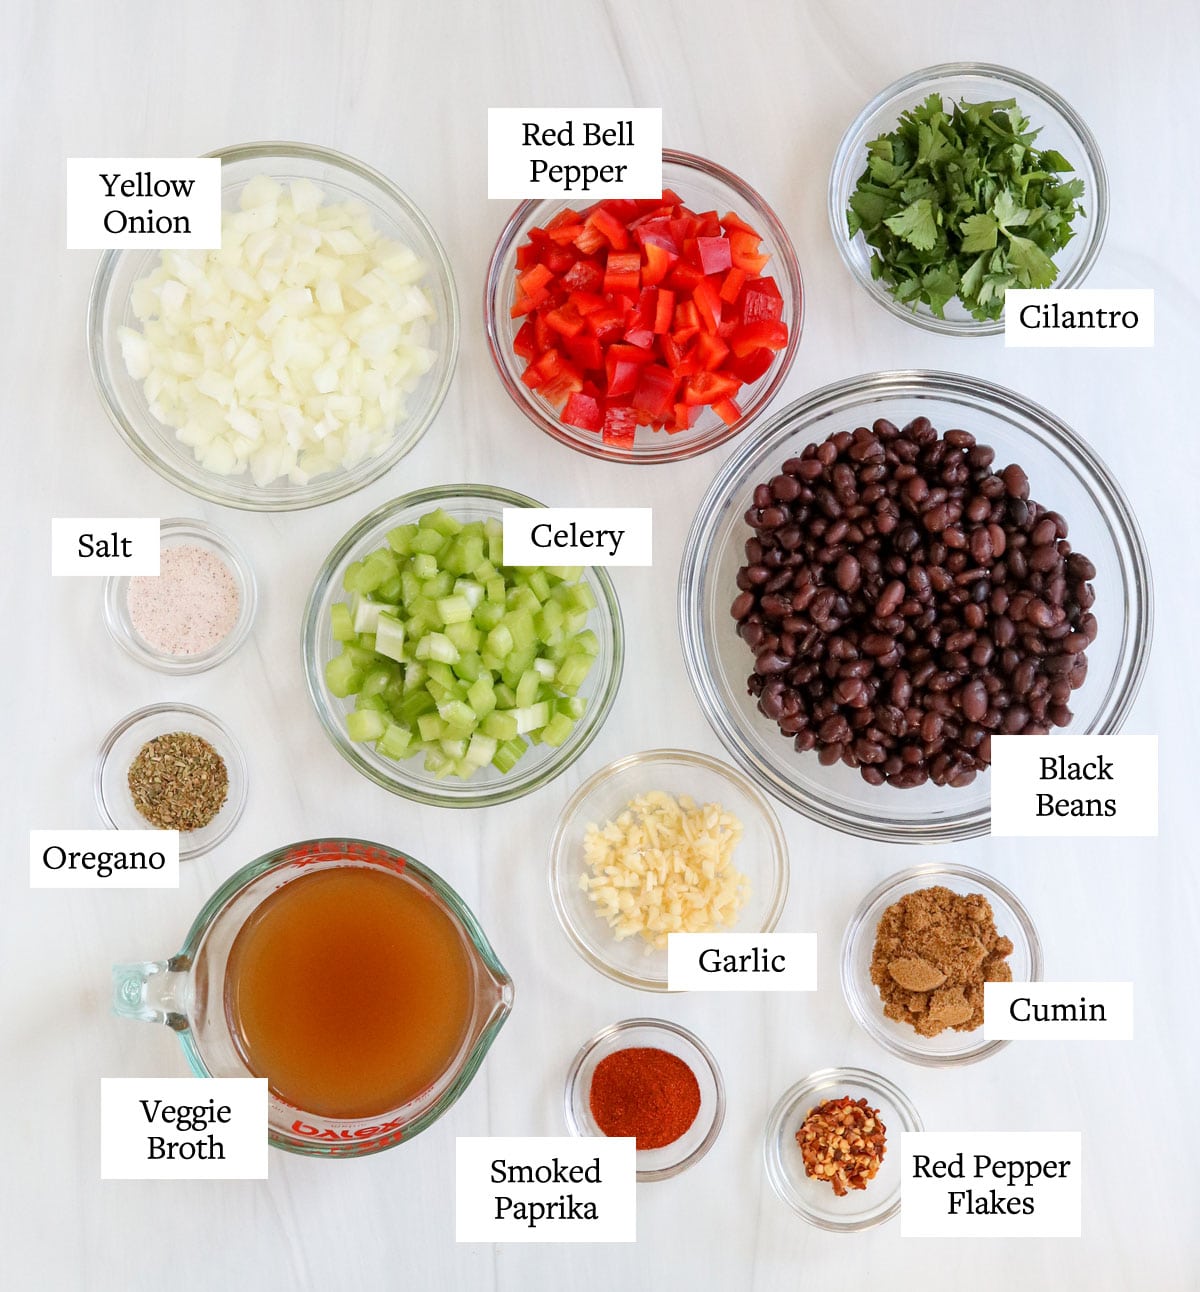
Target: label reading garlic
(143, 202)
(741, 962)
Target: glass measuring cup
(187, 993)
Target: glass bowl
(120, 748)
(703, 186)
(858, 944)
(541, 763)
(1062, 129)
(1064, 473)
(342, 178)
(654, 1034)
(761, 855)
(182, 532)
(815, 1200)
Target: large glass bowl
(1062, 129)
(342, 179)
(761, 854)
(948, 1048)
(703, 186)
(540, 764)
(1064, 474)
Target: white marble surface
(766, 88)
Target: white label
(183, 1128)
(83, 545)
(990, 1184)
(578, 536)
(741, 962)
(104, 859)
(1065, 787)
(553, 1189)
(154, 202)
(1058, 1011)
(1079, 318)
(584, 153)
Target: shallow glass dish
(342, 179)
(761, 855)
(1062, 129)
(121, 747)
(540, 764)
(703, 185)
(1064, 474)
(181, 532)
(654, 1034)
(949, 1048)
(813, 1199)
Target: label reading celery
(578, 536)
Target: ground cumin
(934, 950)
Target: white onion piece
(288, 352)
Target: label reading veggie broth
(559, 536)
(573, 152)
(143, 202)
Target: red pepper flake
(644, 1092)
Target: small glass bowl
(703, 185)
(540, 764)
(813, 1199)
(949, 1048)
(761, 855)
(1064, 474)
(342, 179)
(1061, 128)
(120, 748)
(180, 532)
(653, 1034)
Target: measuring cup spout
(151, 990)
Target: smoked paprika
(644, 1092)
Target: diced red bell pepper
(623, 272)
(523, 342)
(753, 365)
(655, 391)
(583, 411)
(730, 289)
(622, 376)
(711, 351)
(620, 427)
(607, 324)
(586, 351)
(743, 247)
(584, 276)
(664, 311)
(657, 264)
(753, 336)
(715, 255)
(708, 225)
(761, 299)
(589, 239)
(683, 277)
(534, 282)
(709, 388)
(727, 411)
(606, 222)
(685, 416)
(566, 321)
(708, 303)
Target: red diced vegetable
(732, 286)
(709, 387)
(655, 391)
(752, 336)
(708, 303)
(523, 342)
(583, 411)
(620, 427)
(714, 253)
(727, 411)
(753, 365)
(583, 276)
(623, 272)
(613, 230)
(761, 299)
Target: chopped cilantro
(960, 202)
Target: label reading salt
(1075, 787)
(552, 1189)
(583, 153)
(990, 1184)
(578, 536)
(104, 859)
(148, 202)
(103, 545)
(1079, 318)
(1058, 1011)
(741, 962)
(183, 1128)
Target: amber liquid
(350, 990)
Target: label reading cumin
(178, 781)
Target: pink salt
(190, 607)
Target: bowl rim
(816, 1081)
(860, 1008)
(116, 586)
(847, 395)
(1096, 222)
(502, 791)
(674, 448)
(625, 1025)
(237, 773)
(559, 862)
(334, 484)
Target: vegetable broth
(350, 990)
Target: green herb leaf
(978, 233)
(915, 224)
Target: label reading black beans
(904, 601)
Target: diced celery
(453, 748)
(470, 589)
(524, 599)
(438, 586)
(377, 680)
(399, 540)
(414, 706)
(506, 755)
(573, 670)
(441, 672)
(531, 718)
(501, 725)
(341, 622)
(487, 615)
(574, 706)
(465, 636)
(426, 542)
(454, 610)
(588, 643)
(395, 741)
(351, 577)
(431, 726)
(389, 638)
(365, 724)
(441, 522)
(424, 564)
(376, 702)
(437, 646)
(367, 612)
(457, 711)
(481, 750)
(500, 641)
(469, 665)
(545, 669)
(342, 676)
(497, 590)
(527, 688)
(482, 697)
(506, 697)
(557, 729)
(539, 585)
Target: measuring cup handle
(147, 991)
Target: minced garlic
(664, 866)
